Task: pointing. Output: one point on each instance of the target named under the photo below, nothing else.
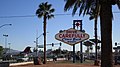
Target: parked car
(22, 59)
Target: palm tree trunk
(106, 34)
(45, 22)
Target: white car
(22, 59)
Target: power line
(116, 12)
(26, 16)
(17, 16)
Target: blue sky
(24, 30)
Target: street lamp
(37, 41)
(5, 25)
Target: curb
(19, 64)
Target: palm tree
(102, 8)
(45, 10)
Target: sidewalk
(52, 64)
(27, 63)
(58, 65)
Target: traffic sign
(40, 46)
(71, 36)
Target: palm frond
(69, 4)
(94, 10)
(41, 6)
(74, 11)
(52, 10)
(76, 6)
(49, 7)
(50, 16)
(87, 6)
(81, 8)
(91, 17)
(38, 10)
(118, 3)
(40, 15)
(45, 4)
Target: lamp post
(9, 51)
(5, 25)
(5, 35)
(9, 46)
(37, 41)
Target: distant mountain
(7, 50)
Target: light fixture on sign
(77, 24)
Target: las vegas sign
(71, 36)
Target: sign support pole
(73, 45)
(81, 53)
(79, 23)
